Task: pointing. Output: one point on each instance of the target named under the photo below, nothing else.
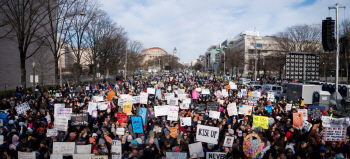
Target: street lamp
(59, 41)
(33, 65)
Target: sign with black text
(207, 134)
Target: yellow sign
(262, 121)
(127, 107)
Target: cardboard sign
(194, 94)
(175, 155)
(22, 108)
(262, 121)
(245, 110)
(61, 123)
(151, 91)
(205, 91)
(228, 141)
(330, 122)
(122, 117)
(65, 148)
(173, 132)
(116, 149)
(173, 113)
(214, 114)
(161, 110)
(80, 119)
(207, 134)
(297, 119)
(143, 98)
(127, 108)
(186, 121)
(83, 149)
(137, 126)
(304, 111)
(232, 109)
(213, 106)
(334, 134)
(142, 112)
(110, 96)
(51, 132)
(216, 155)
(26, 155)
(196, 150)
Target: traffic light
(328, 39)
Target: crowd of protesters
(27, 132)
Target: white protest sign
(214, 114)
(82, 156)
(22, 108)
(143, 98)
(51, 132)
(334, 134)
(61, 123)
(65, 148)
(232, 109)
(98, 98)
(175, 155)
(26, 155)
(182, 96)
(87, 88)
(102, 105)
(161, 110)
(256, 94)
(187, 121)
(66, 112)
(173, 102)
(199, 89)
(196, 150)
(58, 94)
(224, 93)
(120, 131)
(304, 111)
(82, 149)
(169, 95)
(151, 91)
(216, 155)
(207, 134)
(116, 148)
(245, 110)
(56, 156)
(57, 107)
(92, 106)
(244, 92)
(335, 122)
(173, 113)
(205, 91)
(270, 96)
(288, 107)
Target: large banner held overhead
(335, 122)
(207, 134)
(137, 126)
(262, 121)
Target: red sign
(122, 117)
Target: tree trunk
(23, 71)
(94, 72)
(56, 71)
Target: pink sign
(194, 94)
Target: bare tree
(43, 66)
(23, 21)
(234, 58)
(134, 56)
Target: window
(258, 45)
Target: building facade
(152, 53)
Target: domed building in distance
(153, 52)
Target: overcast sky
(193, 25)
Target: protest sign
(199, 89)
(82, 156)
(65, 112)
(137, 124)
(143, 98)
(151, 91)
(262, 121)
(56, 156)
(116, 148)
(207, 134)
(83, 149)
(216, 155)
(233, 85)
(26, 155)
(232, 109)
(297, 119)
(1, 122)
(169, 95)
(214, 106)
(228, 141)
(176, 155)
(127, 108)
(92, 106)
(252, 101)
(102, 105)
(142, 112)
(22, 107)
(94, 114)
(196, 150)
(306, 127)
(252, 145)
(218, 94)
(97, 98)
(200, 108)
(185, 103)
(1, 139)
(205, 91)
(136, 99)
(122, 117)
(182, 96)
(313, 130)
(161, 110)
(256, 94)
(61, 123)
(173, 132)
(120, 131)
(315, 112)
(244, 92)
(288, 107)
(99, 157)
(335, 122)
(65, 148)
(270, 96)
(245, 110)
(173, 112)
(214, 114)
(159, 94)
(80, 119)
(173, 102)
(194, 94)
(3, 116)
(334, 134)
(224, 93)
(268, 108)
(58, 94)
(186, 121)
(51, 132)
(304, 111)
(110, 96)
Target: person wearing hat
(102, 148)
(167, 138)
(178, 141)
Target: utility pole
(126, 59)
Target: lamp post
(59, 41)
(126, 59)
(33, 65)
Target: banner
(216, 155)
(80, 119)
(214, 106)
(214, 114)
(194, 94)
(110, 96)
(65, 148)
(297, 119)
(196, 150)
(143, 98)
(51, 132)
(334, 134)
(122, 117)
(186, 121)
(151, 91)
(22, 108)
(173, 113)
(262, 121)
(304, 111)
(232, 109)
(82, 149)
(176, 155)
(137, 124)
(26, 155)
(335, 122)
(245, 110)
(61, 123)
(127, 108)
(142, 112)
(161, 110)
(207, 134)
(116, 149)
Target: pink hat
(30, 126)
(221, 109)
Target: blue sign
(137, 124)
(143, 114)
(3, 116)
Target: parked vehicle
(254, 84)
(243, 81)
(276, 89)
(297, 90)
